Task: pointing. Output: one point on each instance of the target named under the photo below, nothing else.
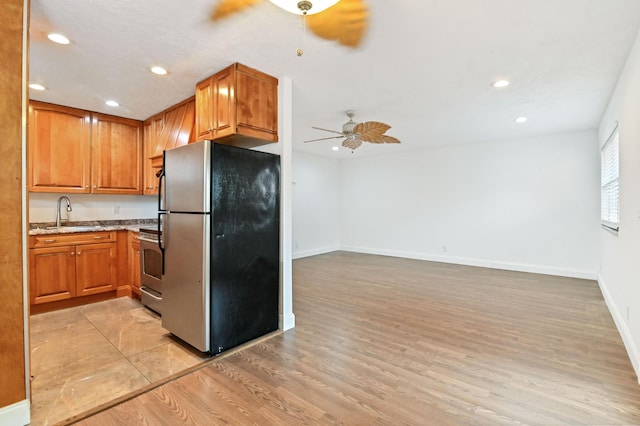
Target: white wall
(89, 207)
(316, 189)
(619, 275)
(529, 205)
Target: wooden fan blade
(390, 139)
(371, 131)
(225, 8)
(344, 22)
(383, 139)
(327, 130)
(352, 143)
(324, 139)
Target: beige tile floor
(86, 356)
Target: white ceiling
(425, 66)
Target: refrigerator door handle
(161, 177)
(162, 202)
(163, 227)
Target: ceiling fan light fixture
(347, 128)
(304, 7)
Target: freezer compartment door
(187, 178)
(186, 282)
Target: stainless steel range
(151, 269)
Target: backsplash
(92, 207)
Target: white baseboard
(520, 267)
(18, 414)
(306, 253)
(287, 321)
(623, 329)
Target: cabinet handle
(72, 253)
(79, 253)
(138, 251)
(95, 186)
(49, 241)
(99, 237)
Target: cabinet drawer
(53, 240)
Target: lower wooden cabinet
(66, 266)
(134, 263)
(52, 274)
(95, 268)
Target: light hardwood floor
(390, 341)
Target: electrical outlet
(116, 209)
(444, 249)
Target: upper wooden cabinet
(116, 146)
(178, 129)
(76, 151)
(151, 129)
(59, 148)
(238, 106)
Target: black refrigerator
(221, 239)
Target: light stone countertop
(47, 228)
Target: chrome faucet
(64, 197)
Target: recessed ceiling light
(335, 148)
(159, 70)
(500, 83)
(521, 120)
(58, 38)
(36, 86)
(112, 103)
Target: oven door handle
(148, 240)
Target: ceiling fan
(356, 133)
(344, 21)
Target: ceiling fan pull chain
(300, 51)
(304, 6)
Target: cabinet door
(151, 135)
(116, 155)
(256, 104)
(224, 103)
(59, 150)
(134, 263)
(204, 109)
(52, 274)
(96, 270)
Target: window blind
(609, 177)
